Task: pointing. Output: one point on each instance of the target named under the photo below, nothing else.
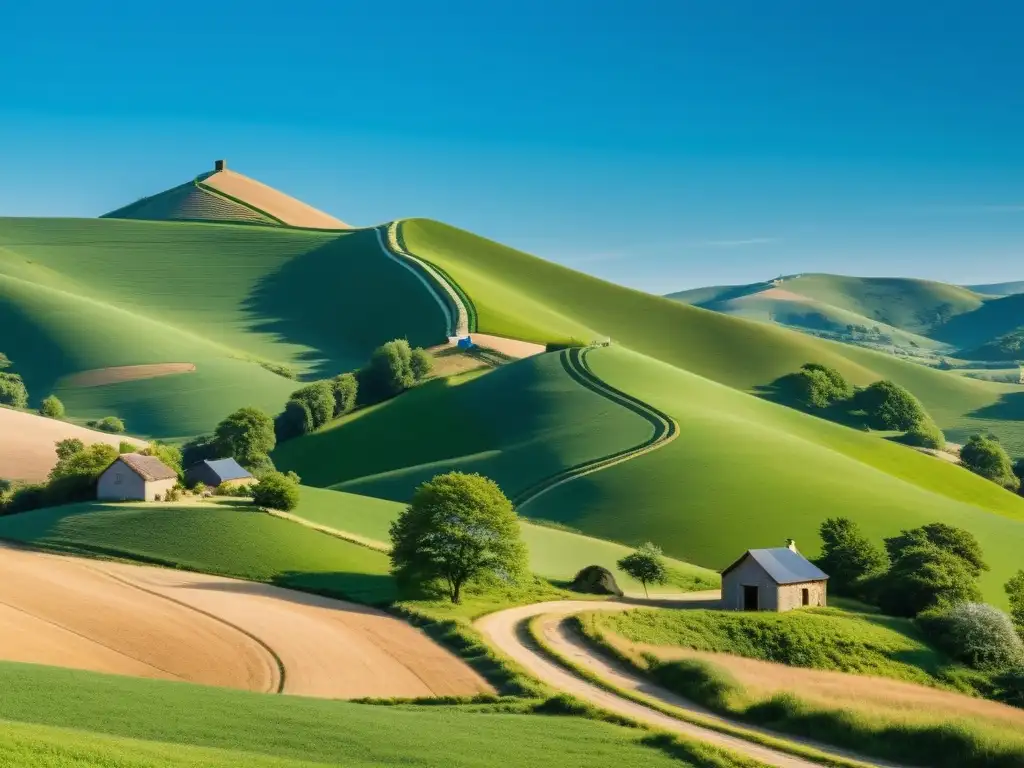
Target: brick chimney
(791, 545)
(220, 165)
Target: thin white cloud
(733, 243)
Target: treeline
(931, 574)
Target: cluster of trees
(312, 406)
(73, 478)
(247, 435)
(931, 574)
(12, 388)
(882, 405)
(985, 456)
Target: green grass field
(554, 554)
(61, 718)
(826, 639)
(79, 294)
(215, 538)
(525, 297)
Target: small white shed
(778, 579)
(134, 477)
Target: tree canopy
(1015, 591)
(985, 456)
(319, 399)
(848, 556)
(956, 541)
(248, 436)
(925, 577)
(52, 407)
(645, 564)
(276, 491)
(889, 406)
(346, 390)
(458, 527)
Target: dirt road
(161, 623)
(503, 631)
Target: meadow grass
(915, 733)
(81, 294)
(65, 715)
(526, 297)
(553, 554)
(221, 539)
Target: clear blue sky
(662, 144)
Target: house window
(807, 596)
(117, 478)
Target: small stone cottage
(778, 579)
(217, 472)
(134, 477)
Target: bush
(849, 557)
(955, 541)
(247, 435)
(389, 371)
(926, 434)
(23, 498)
(73, 477)
(110, 424)
(984, 456)
(12, 391)
(276, 491)
(889, 406)
(346, 389)
(199, 488)
(976, 634)
(318, 398)
(239, 491)
(125, 447)
(51, 407)
(1015, 591)
(421, 363)
(294, 421)
(173, 494)
(841, 388)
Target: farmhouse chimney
(220, 165)
(791, 545)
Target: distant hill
(924, 318)
(998, 289)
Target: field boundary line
(665, 428)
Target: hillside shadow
(342, 300)
(782, 392)
(369, 588)
(1009, 407)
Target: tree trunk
(456, 588)
(645, 590)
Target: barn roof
(783, 565)
(227, 469)
(149, 468)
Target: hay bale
(595, 580)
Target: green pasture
(57, 718)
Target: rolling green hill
(79, 295)
(998, 289)
(59, 718)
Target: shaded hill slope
(79, 295)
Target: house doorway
(750, 601)
(807, 596)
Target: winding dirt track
(503, 630)
(160, 623)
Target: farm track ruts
(664, 427)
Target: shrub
(199, 488)
(841, 388)
(110, 424)
(976, 634)
(390, 369)
(12, 391)
(421, 363)
(984, 456)
(276, 491)
(318, 397)
(241, 491)
(24, 498)
(889, 406)
(1015, 591)
(73, 477)
(173, 494)
(247, 435)
(346, 389)
(125, 447)
(457, 527)
(926, 434)
(848, 556)
(294, 421)
(646, 565)
(51, 407)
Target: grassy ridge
(217, 538)
(525, 297)
(81, 294)
(177, 724)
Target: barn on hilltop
(778, 579)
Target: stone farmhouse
(778, 579)
(134, 477)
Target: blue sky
(661, 144)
